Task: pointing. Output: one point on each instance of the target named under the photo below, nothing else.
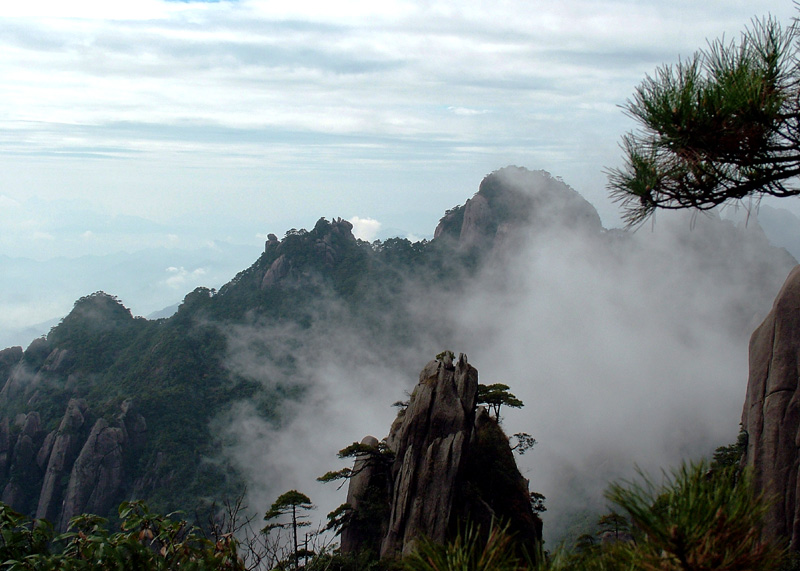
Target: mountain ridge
(258, 344)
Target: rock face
(771, 413)
(70, 470)
(327, 241)
(515, 196)
(451, 465)
(97, 473)
(67, 441)
(430, 446)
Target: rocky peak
(442, 474)
(510, 198)
(430, 445)
(304, 256)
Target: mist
(628, 349)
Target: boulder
(278, 270)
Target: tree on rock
(289, 503)
(496, 395)
(723, 125)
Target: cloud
(365, 228)
(465, 111)
(181, 278)
(171, 99)
(626, 349)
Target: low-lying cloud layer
(627, 350)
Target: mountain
(248, 386)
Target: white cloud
(467, 111)
(365, 228)
(180, 278)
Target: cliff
(771, 415)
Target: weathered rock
(771, 414)
(19, 379)
(134, 425)
(492, 487)
(276, 272)
(353, 536)
(43, 456)
(96, 475)
(450, 466)
(430, 447)
(67, 443)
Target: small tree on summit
(289, 503)
(496, 395)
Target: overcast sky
(155, 123)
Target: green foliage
(287, 504)
(362, 561)
(537, 503)
(379, 456)
(731, 455)
(696, 519)
(467, 553)
(339, 517)
(176, 370)
(613, 523)
(145, 542)
(495, 396)
(719, 126)
(446, 354)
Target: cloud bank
(627, 350)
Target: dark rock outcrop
(24, 471)
(67, 443)
(452, 465)
(70, 470)
(365, 474)
(292, 265)
(771, 415)
(96, 475)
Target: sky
(127, 126)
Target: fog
(628, 349)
